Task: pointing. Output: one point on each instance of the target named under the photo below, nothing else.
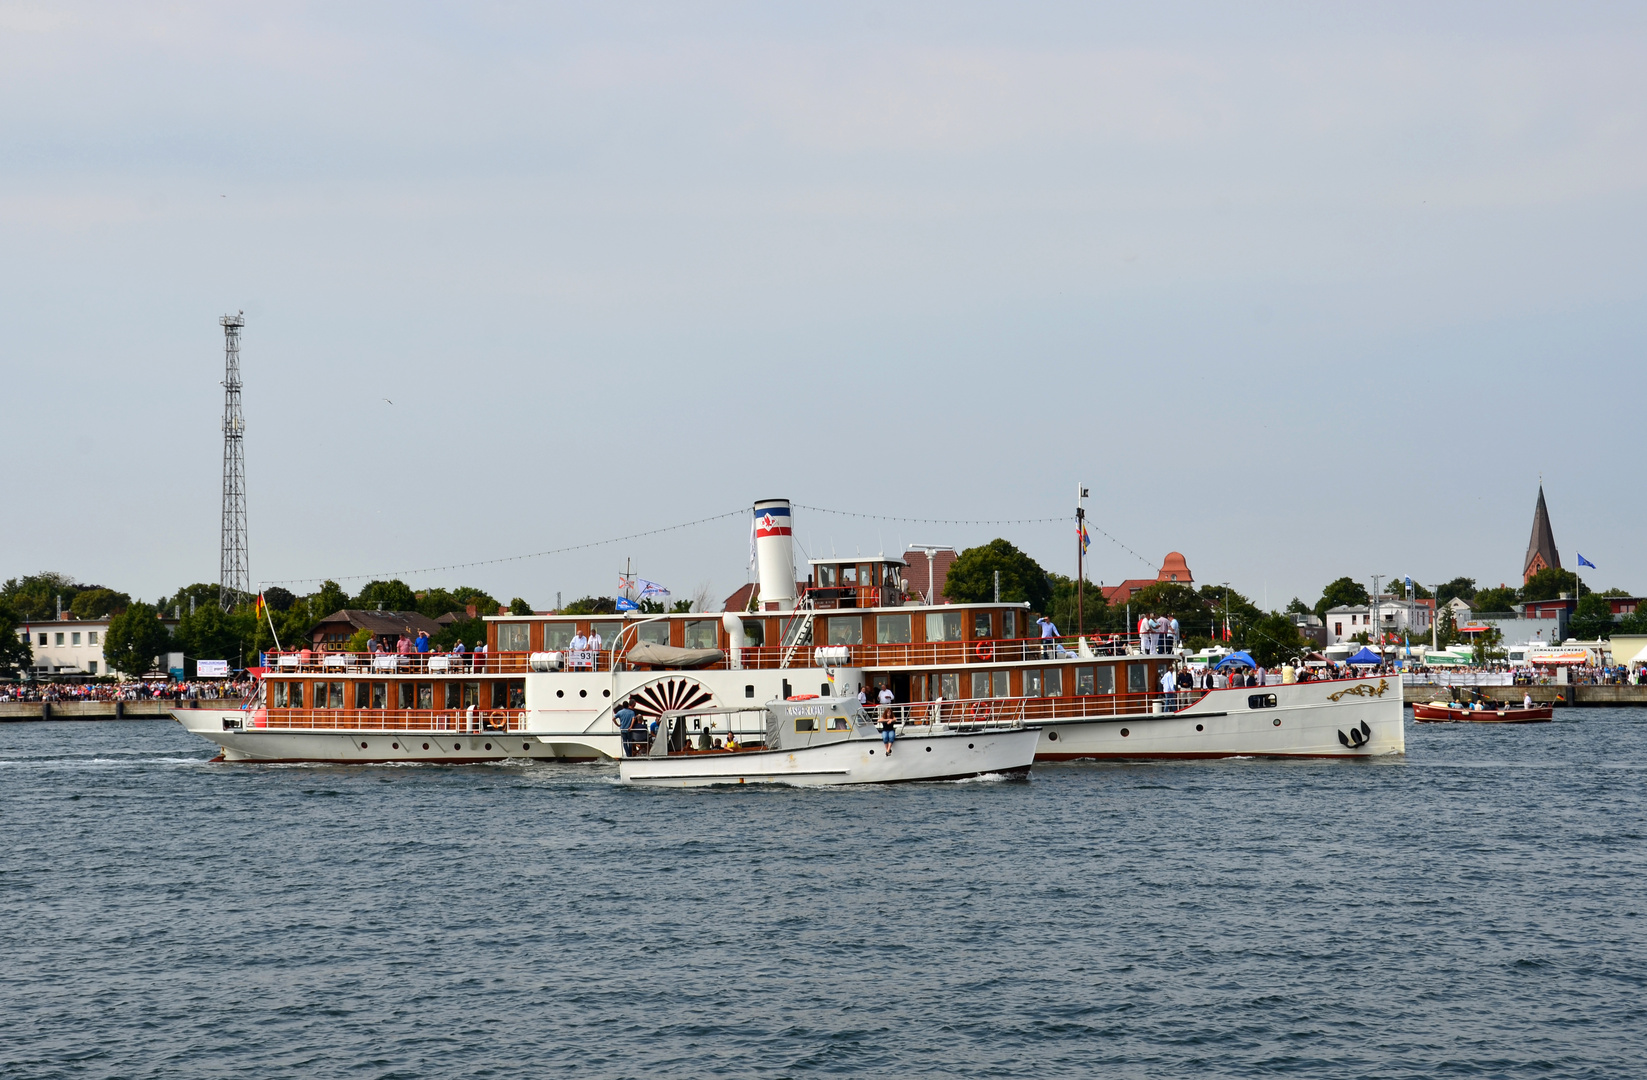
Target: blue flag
(626, 604)
(1582, 561)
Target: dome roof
(1174, 568)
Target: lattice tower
(234, 580)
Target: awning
(1237, 658)
(1570, 656)
(1365, 656)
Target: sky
(1299, 290)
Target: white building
(1388, 616)
(67, 646)
(75, 646)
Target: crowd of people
(155, 690)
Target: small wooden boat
(1451, 712)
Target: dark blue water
(1476, 909)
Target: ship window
(337, 696)
(1083, 681)
(754, 632)
(980, 624)
(1009, 624)
(846, 631)
(1032, 684)
(1137, 678)
(425, 695)
(892, 629)
(980, 684)
(452, 695)
(949, 687)
(1105, 678)
(294, 696)
(838, 723)
(1053, 680)
(700, 634)
(512, 636)
(806, 723)
(826, 577)
(749, 690)
(380, 695)
(277, 696)
(1000, 684)
(657, 633)
(606, 631)
(849, 577)
(471, 694)
(558, 635)
(403, 695)
(362, 695)
(1260, 701)
(943, 626)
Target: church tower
(1541, 549)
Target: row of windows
(1037, 682)
(406, 695)
(838, 630)
(73, 635)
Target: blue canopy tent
(1235, 658)
(1365, 656)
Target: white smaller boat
(812, 742)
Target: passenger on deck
(404, 645)
(889, 731)
(885, 698)
(624, 717)
(579, 651)
(1172, 634)
(863, 696)
(1049, 637)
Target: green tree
(485, 603)
(1501, 598)
(591, 605)
(135, 639)
(35, 596)
(1241, 612)
(329, 600)
(15, 655)
(1096, 616)
(471, 632)
(1274, 638)
(279, 598)
(1296, 606)
(208, 634)
(1180, 601)
(98, 602)
(517, 606)
(1446, 627)
(972, 576)
(1549, 583)
(201, 593)
(1593, 619)
(393, 595)
(1457, 588)
(1345, 592)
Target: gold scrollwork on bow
(1362, 690)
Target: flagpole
(1080, 561)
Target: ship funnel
(775, 555)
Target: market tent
(1365, 656)
(1235, 658)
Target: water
(1476, 909)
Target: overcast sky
(1299, 291)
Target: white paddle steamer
(853, 624)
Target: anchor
(1358, 736)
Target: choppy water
(1476, 909)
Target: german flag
(261, 607)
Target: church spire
(1541, 548)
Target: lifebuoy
(980, 710)
(986, 651)
(801, 697)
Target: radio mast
(234, 582)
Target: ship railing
(454, 721)
(367, 664)
(967, 712)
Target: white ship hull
(1305, 721)
(376, 747)
(941, 756)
